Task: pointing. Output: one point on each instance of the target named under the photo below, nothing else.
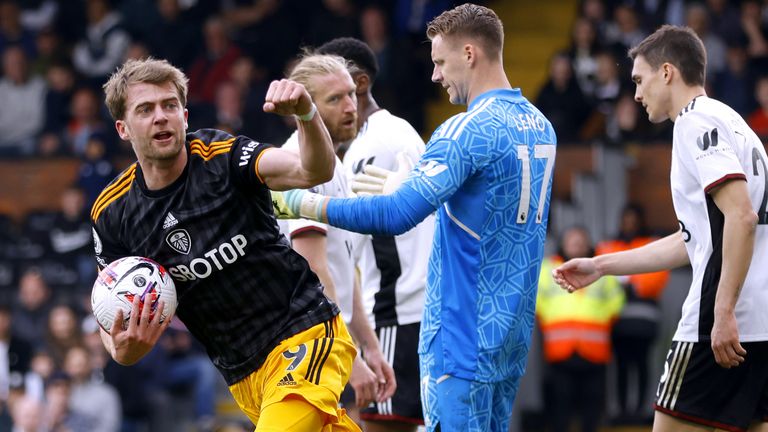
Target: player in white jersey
(393, 270)
(329, 249)
(715, 375)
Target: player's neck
(160, 174)
(366, 105)
(487, 79)
(683, 97)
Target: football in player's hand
(122, 280)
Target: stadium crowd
(56, 55)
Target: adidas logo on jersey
(170, 221)
(286, 380)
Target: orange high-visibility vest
(645, 285)
(578, 323)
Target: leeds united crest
(179, 241)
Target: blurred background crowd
(58, 149)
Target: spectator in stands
(584, 46)
(143, 406)
(59, 416)
(758, 120)
(212, 66)
(229, 108)
(734, 84)
(30, 313)
(562, 101)
(269, 31)
(41, 368)
(90, 397)
(37, 15)
(71, 238)
(607, 89)
(653, 13)
(15, 356)
(625, 30)
(375, 33)
(27, 414)
(20, 125)
(63, 332)
(638, 325)
(136, 51)
(252, 83)
(86, 120)
(576, 338)
(697, 18)
(175, 36)
(725, 20)
(337, 18)
(186, 369)
(61, 82)
(105, 43)
(12, 33)
(595, 12)
(49, 52)
(96, 170)
(754, 29)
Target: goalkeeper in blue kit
(487, 172)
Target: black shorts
(694, 388)
(399, 344)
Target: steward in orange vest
(576, 333)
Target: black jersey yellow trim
(113, 192)
(207, 151)
(256, 165)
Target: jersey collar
(513, 94)
(166, 190)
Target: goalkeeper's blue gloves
(298, 203)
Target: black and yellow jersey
(241, 288)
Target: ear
(667, 70)
(186, 117)
(362, 83)
(122, 130)
(469, 54)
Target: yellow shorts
(313, 366)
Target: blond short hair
(150, 71)
(313, 65)
(472, 21)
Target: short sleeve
(245, 158)
(444, 167)
(105, 247)
(705, 148)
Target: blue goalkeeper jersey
(488, 174)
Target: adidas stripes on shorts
(695, 388)
(313, 365)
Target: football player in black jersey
(199, 204)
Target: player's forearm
(383, 214)
(738, 245)
(107, 341)
(663, 254)
(313, 247)
(316, 150)
(359, 327)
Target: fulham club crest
(179, 241)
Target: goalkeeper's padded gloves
(297, 203)
(379, 181)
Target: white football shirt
(393, 270)
(712, 144)
(338, 241)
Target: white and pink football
(122, 280)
